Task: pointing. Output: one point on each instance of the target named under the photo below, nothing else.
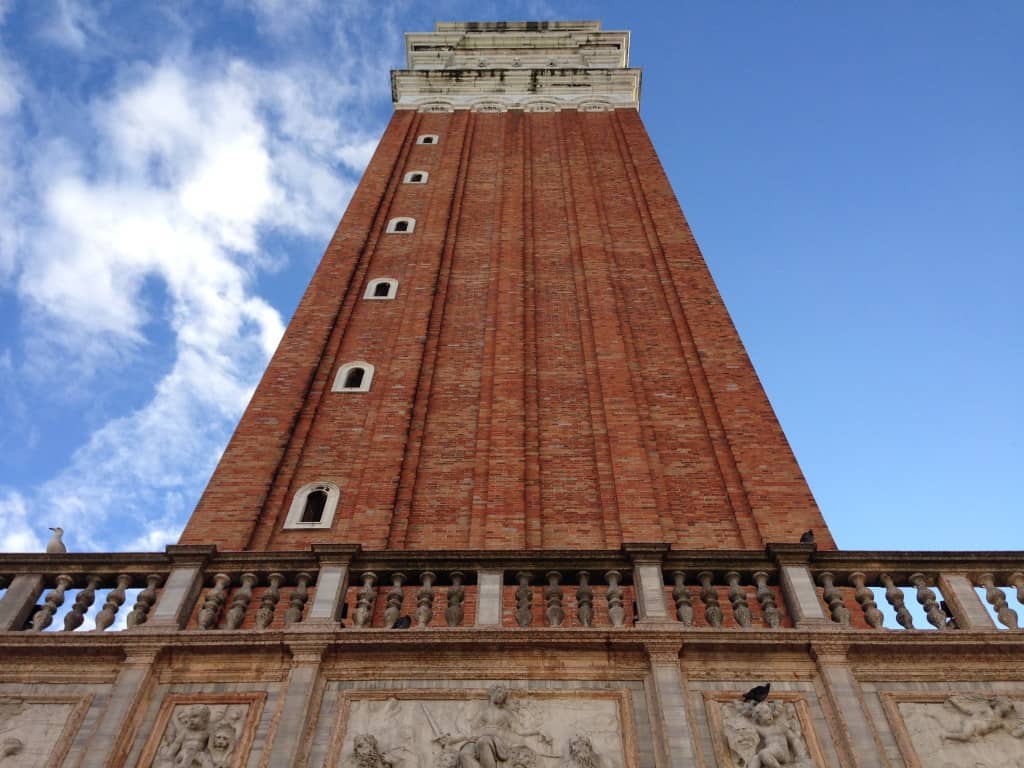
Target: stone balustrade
(787, 587)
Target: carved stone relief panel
(768, 734)
(37, 730)
(203, 731)
(961, 730)
(496, 728)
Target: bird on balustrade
(807, 537)
(55, 546)
(403, 622)
(758, 693)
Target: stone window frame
(431, 139)
(371, 289)
(294, 519)
(342, 374)
(408, 178)
(393, 224)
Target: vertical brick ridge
(731, 483)
(636, 356)
(286, 480)
(371, 522)
(531, 407)
(504, 517)
(231, 505)
(409, 474)
(637, 506)
(747, 428)
(602, 454)
(484, 426)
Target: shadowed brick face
(557, 370)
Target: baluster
(740, 609)
(926, 597)
(834, 597)
(115, 599)
(455, 596)
(553, 596)
(76, 616)
(425, 599)
(709, 596)
(585, 601)
(143, 603)
(364, 600)
(240, 603)
(524, 597)
(616, 609)
(895, 597)
(866, 598)
(997, 600)
(215, 599)
(394, 600)
(268, 603)
(681, 595)
(1017, 580)
(54, 599)
(297, 601)
(765, 595)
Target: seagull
(55, 546)
(758, 693)
(807, 537)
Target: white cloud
(71, 24)
(18, 526)
(193, 167)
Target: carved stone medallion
(492, 729)
(770, 734)
(36, 731)
(963, 730)
(202, 731)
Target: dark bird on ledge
(403, 622)
(807, 537)
(758, 693)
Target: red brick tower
(512, 341)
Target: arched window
(313, 511)
(401, 225)
(427, 138)
(382, 288)
(416, 177)
(353, 377)
(313, 506)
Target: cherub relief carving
(765, 735)
(983, 715)
(195, 738)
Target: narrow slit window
(427, 138)
(416, 177)
(381, 288)
(354, 379)
(401, 225)
(313, 511)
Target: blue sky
(171, 172)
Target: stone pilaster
(19, 599)
(649, 582)
(112, 738)
(331, 584)
(669, 715)
(797, 585)
(296, 713)
(181, 589)
(857, 741)
(489, 583)
(964, 603)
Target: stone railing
(198, 589)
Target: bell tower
(512, 341)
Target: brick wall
(558, 369)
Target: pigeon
(55, 546)
(807, 537)
(403, 622)
(758, 693)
